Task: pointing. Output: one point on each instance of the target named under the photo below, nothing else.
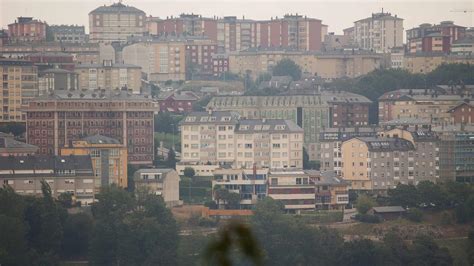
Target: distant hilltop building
(27, 29)
(379, 33)
(434, 38)
(68, 33)
(115, 23)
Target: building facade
(116, 23)
(109, 159)
(434, 38)
(223, 138)
(55, 120)
(379, 33)
(68, 33)
(57, 79)
(427, 62)
(109, 76)
(330, 189)
(294, 189)
(64, 174)
(162, 182)
(27, 29)
(19, 85)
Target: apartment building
(250, 184)
(162, 182)
(199, 54)
(462, 113)
(331, 140)
(64, 174)
(57, 79)
(455, 152)
(161, 59)
(395, 156)
(293, 188)
(223, 138)
(19, 85)
(330, 189)
(220, 64)
(11, 147)
(427, 106)
(109, 159)
(68, 33)
(80, 52)
(116, 23)
(379, 33)
(109, 76)
(329, 65)
(27, 29)
(237, 34)
(463, 46)
(177, 102)
(56, 119)
(310, 112)
(434, 38)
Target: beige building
(396, 156)
(109, 159)
(116, 22)
(425, 63)
(19, 85)
(64, 174)
(109, 76)
(160, 60)
(379, 33)
(328, 65)
(330, 189)
(222, 138)
(162, 182)
(429, 107)
(292, 188)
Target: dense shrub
(414, 215)
(368, 218)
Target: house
(462, 113)
(163, 182)
(330, 189)
(177, 102)
(387, 212)
(277, 82)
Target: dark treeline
(123, 230)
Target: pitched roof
(46, 162)
(267, 125)
(116, 8)
(99, 139)
(7, 142)
(211, 117)
(387, 144)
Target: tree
(171, 161)
(189, 172)
(166, 123)
(200, 105)
(431, 194)
(425, 251)
(307, 164)
(77, 233)
(404, 195)
(364, 204)
(362, 252)
(65, 199)
(231, 200)
(287, 67)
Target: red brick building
(45, 60)
(177, 102)
(27, 29)
(199, 54)
(233, 34)
(56, 120)
(347, 109)
(220, 64)
(462, 114)
(434, 38)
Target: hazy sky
(338, 14)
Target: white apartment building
(220, 137)
(379, 33)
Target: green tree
(425, 251)
(65, 199)
(189, 172)
(431, 194)
(287, 67)
(362, 252)
(364, 204)
(200, 105)
(167, 123)
(77, 233)
(404, 195)
(171, 160)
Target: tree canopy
(287, 67)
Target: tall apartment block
(395, 156)
(310, 112)
(109, 159)
(27, 29)
(434, 38)
(379, 33)
(109, 76)
(235, 34)
(225, 139)
(54, 121)
(19, 85)
(68, 33)
(116, 23)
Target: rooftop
(211, 117)
(267, 125)
(46, 162)
(388, 209)
(99, 139)
(103, 94)
(387, 144)
(7, 142)
(116, 8)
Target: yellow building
(19, 85)
(328, 66)
(425, 63)
(109, 159)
